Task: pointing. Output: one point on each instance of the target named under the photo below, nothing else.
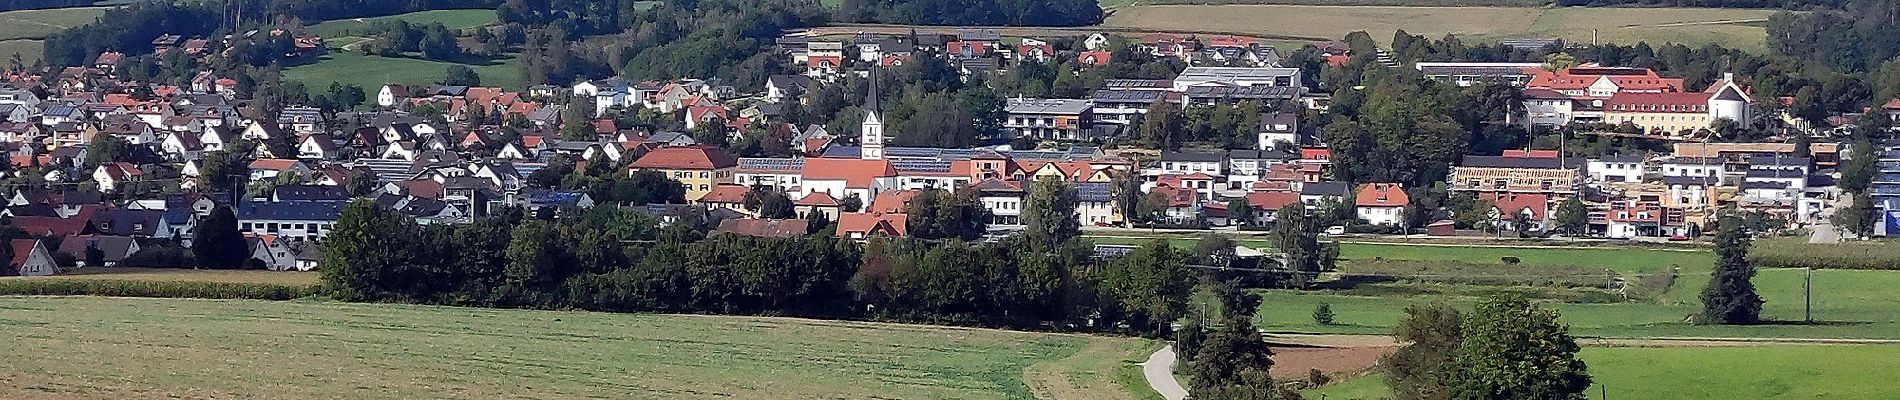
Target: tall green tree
(1514, 350)
(1295, 234)
(1730, 297)
(1049, 213)
(1150, 285)
(216, 242)
(363, 252)
(1421, 369)
(1240, 212)
(1573, 218)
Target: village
(447, 154)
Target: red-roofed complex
(696, 167)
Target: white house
(30, 258)
(1616, 169)
(1381, 203)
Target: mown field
(1759, 372)
(21, 31)
(38, 24)
(110, 348)
(1846, 303)
(453, 19)
(1741, 28)
(372, 72)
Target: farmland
(1749, 372)
(21, 31)
(1846, 303)
(372, 72)
(453, 19)
(118, 348)
(1739, 28)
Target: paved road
(1824, 231)
(1160, 372)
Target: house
(777, 228)
(308, 220)
(697, 168)
(1049, 119)
(113, 176)
(271, 252)
(1381, 203)
(1464, 74)
(779, 88)
(1236, 77)
(1278, 130)
(727, 196)
(318, 147)
(818, 202)
(1126, 106)
(1096, 205)
(1616, 168)
(843, 178)
(863, 226)
(1553, 176)
(1511, 209)
(30, 258)
(270, 168)
(391, 95)
(112, 249)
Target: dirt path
(1159, 370)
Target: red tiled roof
(1176, 197)
(892, 201)
(869, 224)
(1530, 153)
(1381, 195)
(274, 164)
(688, 157)
(1892, 105)
(1093, 58)
(424, 188)
(855, 173)
(1316, 153)
(1272, 200)
(1672, 102)
(50, 226)
(22, 248)
(1508, 203)
(726, 193)
(818, 199)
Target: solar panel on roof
(921, 166)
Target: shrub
(1323, 314)
(1510, 260)
(127, 288)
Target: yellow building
(697, 168)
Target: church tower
(871, 132)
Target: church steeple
(871, 132)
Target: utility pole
(1807, 294)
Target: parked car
(1335, 230)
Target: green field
(454, 19)
(1767, 372)
(1846, 303)
(372, 72)
(109, 348)
(1740, 28)
(29, 50)
(38, 24)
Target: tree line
(617, 259)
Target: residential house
(30, 258)
(775, 228)
(1617, 168)
(697, 168)
(1049, 119)
(112, 249)
(1381, 203)
(863, 226)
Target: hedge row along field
(133, 288)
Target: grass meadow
(110, 348)
(1740, 28)
(1855, 304)
(38, 24)
(372, 72)
(453, 19)
(1746, 372)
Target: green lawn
(1846, 303)
(29, 50)
(372, 72)
(109, 348)
(1767, 372)
(38, 24)
(453, 19)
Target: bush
(1510, 260)
(1323, 314)
(160, 257)
(127, 288)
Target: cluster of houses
(305, 164)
